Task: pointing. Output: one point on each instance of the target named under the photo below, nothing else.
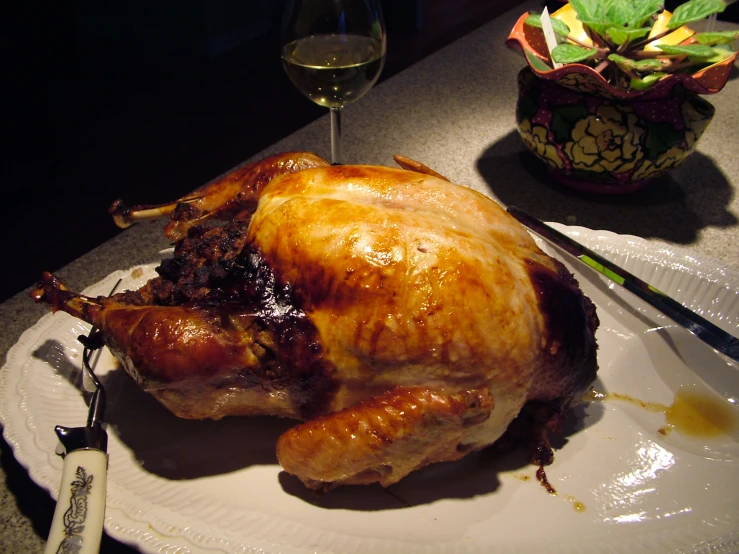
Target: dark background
(148, 100)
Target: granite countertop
(453, 111)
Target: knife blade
(697, 325)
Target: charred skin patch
(570, 321)
(244, 288)
(186, 211)
(289, 338)
(530, 430)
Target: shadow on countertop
(674, 208)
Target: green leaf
(592, 13)
(643, 10)
(622, 61)
(694, 10)
(591, 10)
(598, 28)
(649, 64)
(717, 37)
(691, 50)
(600, 15)
(619, 14)
(535, 62)
(622, 35)
(569, 53)
(533, 20)
(647, 81)
(720, 53)
(559, 26)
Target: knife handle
(80, 509)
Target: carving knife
(700, 327)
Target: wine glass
(333, 51)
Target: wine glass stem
(335, 136)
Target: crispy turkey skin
(404, 319)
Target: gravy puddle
(692, 413)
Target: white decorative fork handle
(80, 508)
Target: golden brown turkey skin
(402, 270)
(385, 301)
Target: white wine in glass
(333, 51)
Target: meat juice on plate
(693, 413)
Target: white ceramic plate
(189, 486)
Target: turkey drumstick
(221, 199)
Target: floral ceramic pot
(604, 144)
(599, 138)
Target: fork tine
(93, 383)
(97, 402)
(90, 381)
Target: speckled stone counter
(453, 111)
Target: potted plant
(615, 102)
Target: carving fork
(77, 525)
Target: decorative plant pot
(600, 138)
(603, 144)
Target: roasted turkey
(404, 319)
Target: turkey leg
(221, 199)
(384, 438)
(208, 361)
(166, 344)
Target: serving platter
(625, 480)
